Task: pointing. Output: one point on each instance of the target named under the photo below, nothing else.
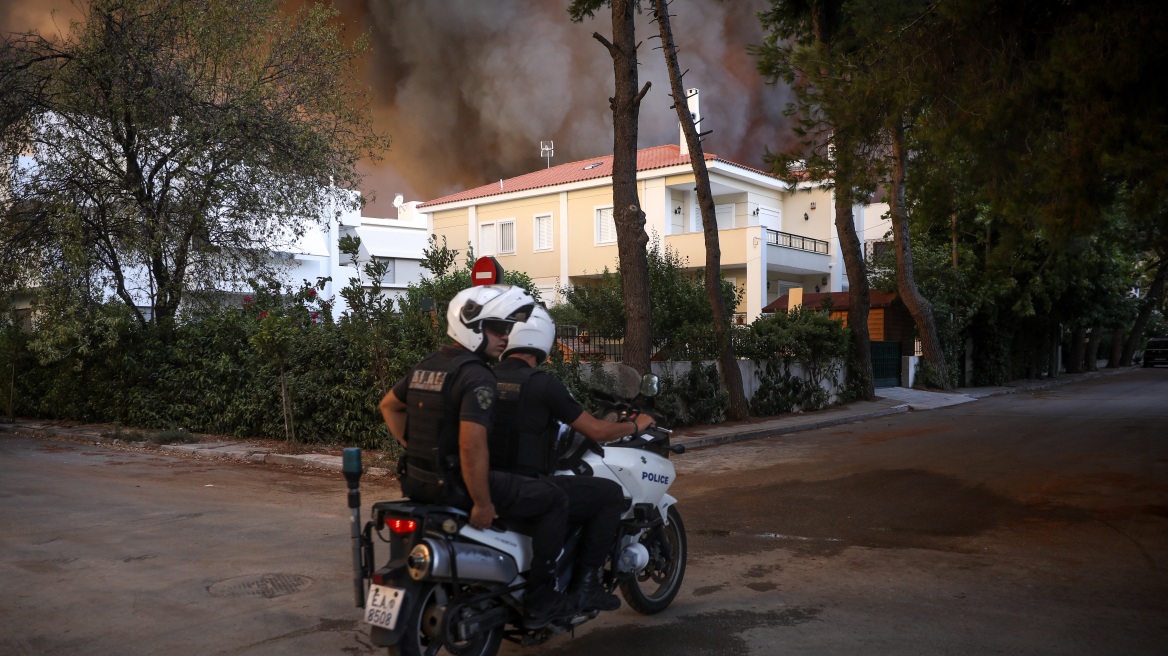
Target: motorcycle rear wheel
(653, 588)
(423, 629)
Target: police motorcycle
(447, 585)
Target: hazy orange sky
(468, 88)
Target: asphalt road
(1024, 524)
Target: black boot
(589, 594)
(543, 605)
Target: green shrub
(693, 397)
(805, 336)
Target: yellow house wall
(739, 276)
(692, 245)
(542, 264)
(451, 224)
(819, 220)
(584, 256)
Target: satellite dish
(398, 200)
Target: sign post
(486, 271)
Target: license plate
(382, 605)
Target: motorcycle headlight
(419, 561)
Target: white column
(756, 272)
(472, 229)
(564, 270)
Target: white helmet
(471, 307)
(535, 336)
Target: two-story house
(556, 224)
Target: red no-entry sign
(486, 271)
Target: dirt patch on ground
(718, 632)
(880, 509)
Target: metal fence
(601, 348)
(788, 240)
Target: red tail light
(401, 526)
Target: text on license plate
(382, 605)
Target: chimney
(691, 99)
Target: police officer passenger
(442, 411)
(531, 405)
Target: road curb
(1058, 381)
(715, 440)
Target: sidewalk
(889, 401)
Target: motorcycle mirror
(650, 385)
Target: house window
(507, 237)
(605, 226)
(388, 278)
(770, 218)
(725, 216)
(487, 239)
(543, 232)
(497, 238)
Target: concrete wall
(750, 381)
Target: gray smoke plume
(469, 88)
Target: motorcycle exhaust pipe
(432, 558)
(351, 467)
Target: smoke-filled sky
(468, 88)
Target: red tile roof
(839, 301)
(658, 157)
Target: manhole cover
(260, 585)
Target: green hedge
(278, 365)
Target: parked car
(1156, 352)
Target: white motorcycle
(448, 585)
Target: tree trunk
(738, 408)
(1091, 355)
(1116, 348)
(289, 428)
(860, 377)
(1150, 302)
(1053, 346)
(1078, 349)
(631, 239)
(906, 283)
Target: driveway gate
(886, 363)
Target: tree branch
(644, 90)
(605, 42)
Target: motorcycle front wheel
(422, 630)
(653, 588)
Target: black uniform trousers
(597, 504)
(543, 508)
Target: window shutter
(487, 239)
(543, 233)
(725, 216)
(506, 236)
(605, 226)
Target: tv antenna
(546, 150)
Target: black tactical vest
(523, 437)
(433, 474)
